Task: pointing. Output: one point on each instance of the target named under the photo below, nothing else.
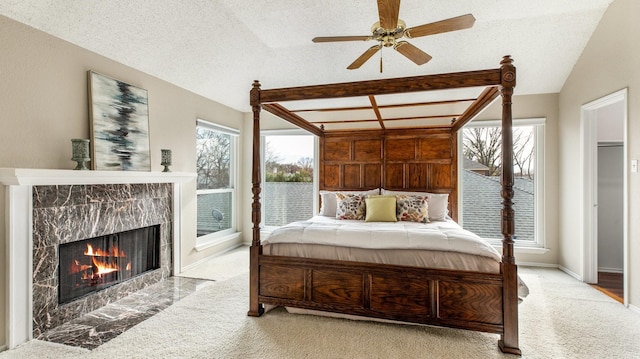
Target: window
(288, 178)
(216, 191)
(480, 178)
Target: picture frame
(119, 125)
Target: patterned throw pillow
(350, 206)
(412, 208)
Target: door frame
(589, 148)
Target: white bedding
(438, 235)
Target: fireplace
(46, 208)
(123, 225)
(90, 265)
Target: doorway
(604, 133)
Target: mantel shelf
(29, 176)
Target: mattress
(441, 244)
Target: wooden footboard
(457, 299)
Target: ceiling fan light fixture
(385, 35)
(390, 29)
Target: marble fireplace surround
(29, 191)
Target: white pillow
(437, 203)
(329, 203)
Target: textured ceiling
(216, 48)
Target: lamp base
(166, 168)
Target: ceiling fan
(390, 29)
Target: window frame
(263, 144)
(210, 239)
(539, 124)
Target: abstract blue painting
(119, 125)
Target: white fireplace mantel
(19, 184)
(42, 177)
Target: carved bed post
(509, 339)
(255, 308)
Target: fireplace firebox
(93, 264)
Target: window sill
(204, 244)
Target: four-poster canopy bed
(392, 159)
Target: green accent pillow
(380, 209)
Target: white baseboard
(634, 309)
(574, 275)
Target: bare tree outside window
(481, 181)
(213, 161)
(524, 151)
(215, 190)
(483, 145)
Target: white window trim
(538, 245)
(288, 132)
(212, 239)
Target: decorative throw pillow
(350, 206)
(380, 209)
(412, 208)
(438, 202)
(329, 203)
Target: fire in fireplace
(93, 264)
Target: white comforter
(440, 235)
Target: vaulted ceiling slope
(216, 48)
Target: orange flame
(113, 252)
(104, 268)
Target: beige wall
(43, 104)
(539, 106)
(609, 62)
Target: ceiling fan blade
(341, 38)
(388, 10)
(364, 57)
(453, 24)
(412, 53)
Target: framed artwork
(119, 116)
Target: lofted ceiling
(216, 48)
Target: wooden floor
(611, 285)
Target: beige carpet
(561, 318)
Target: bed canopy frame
(365, 159)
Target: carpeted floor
(561, 318)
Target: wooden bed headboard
(423, 160)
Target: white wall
(43, 104)
(608, 63)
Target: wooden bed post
(255, 308)
(509, 339)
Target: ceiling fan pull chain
(380, 61)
